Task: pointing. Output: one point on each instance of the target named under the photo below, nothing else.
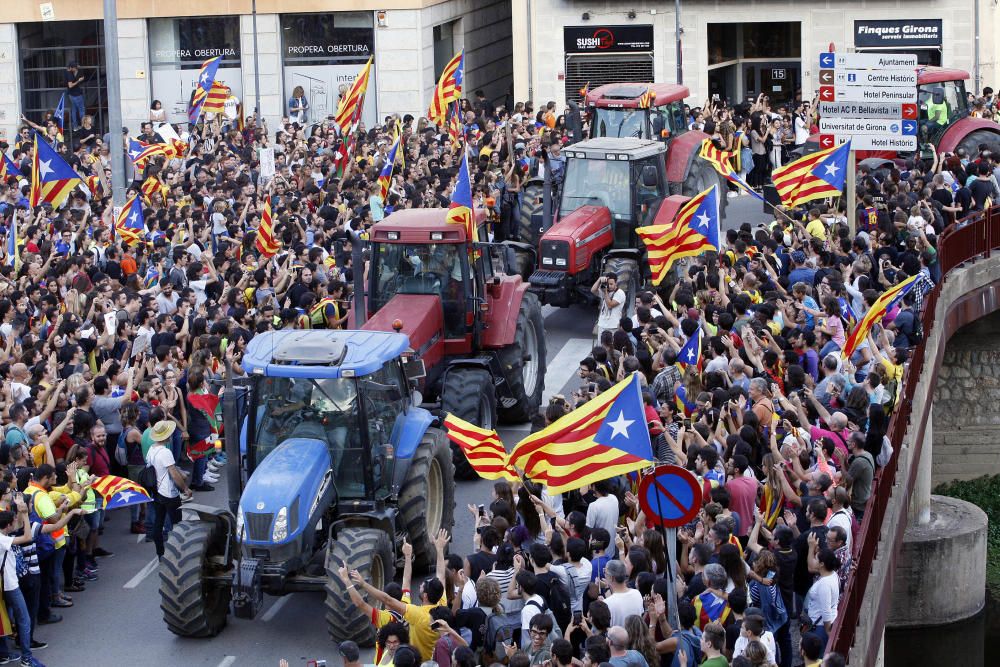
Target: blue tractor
(338, 464)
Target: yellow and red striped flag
(349, 109)
(51, 178)
(448, 90)
(583, 91)
(153, 187)
(119, 492)
(455, 127)
(215, 101)
(483, 449)
(603, 438)
(647, 99)
(267, 245)
(694, 231)
(882, 305)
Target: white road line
(150, 567)
(139, 538)
(228, 660)
(275, 608)
(548, 310)
(564, 366)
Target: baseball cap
(349, 651)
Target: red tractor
(639, 166)
(478, 331)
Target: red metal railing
(974, 237)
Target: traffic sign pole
(672, 610)
(852, 214)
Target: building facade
(736, 49)
(319, 45)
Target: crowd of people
(106, 348)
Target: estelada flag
(460, 211)
(119, 492)
(690, 354)
(448, 89)
(482, 447)
(882, 305)
(816, 176)
(603, 438)
(215, 101)
(267, 244)
(349, 109)
(51, 178)
(723, 163)
(693, 232)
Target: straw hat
(162, 430)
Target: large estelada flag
(482, 447)
(460, 211)
(119, 492)
(448, 89)
(206, 78)
(130, 223)
(816, 176)
(603, 438)
(723, 162)
(694, 231)
(52, 179)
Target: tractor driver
(445, 262)
(936, 108)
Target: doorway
(779, 81)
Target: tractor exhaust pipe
(575, 122)
(546, 192)
(231, 433)
(358, 269)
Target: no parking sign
(670, 496)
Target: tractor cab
(941, 101)
(617, 110)
(625, 176)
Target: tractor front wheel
(523, 363)
(369, 551)
(700, 177)
(529, 212)
(191, 606)
(972, 141)
(468, 393)
(427, 497)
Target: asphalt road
(117, 620)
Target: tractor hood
(283, 486)
(421, 315)
(582, 233)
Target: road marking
(548, 310)
(564, 366)
(228, 660)
(150, 567)
(275, 608)
(139, 538)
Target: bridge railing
(975, 237)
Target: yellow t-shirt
(817, 229)
(421, 636)
(893, 371)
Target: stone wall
(966, 418)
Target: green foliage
(985, 493)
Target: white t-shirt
(610, 317)
(767, 639)
(842, 518)
(161, 458)
(801, 137)
(823, 598)
(603, 513)
(528, 612)
(580, 574)
(623, 605)
(199, 291)
(167, 305)
(10, 563)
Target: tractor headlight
(239, 524)
(280, 531)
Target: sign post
(670, 497)
(869, 99)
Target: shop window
(722, 42)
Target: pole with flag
(460, 211)
(694, 231)
(12, 255)
(448, 89)
(206, 77)
(51, 178)
(60, 114)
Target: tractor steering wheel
(432, 278)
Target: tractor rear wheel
(468, 393)
(192, 607)
(369, 551)
(427, 497)
(529, 213)
(523, 363)
(629, 276)
(972, 141)
(700, 177)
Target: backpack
(121, 451)
(690, 642)
(885, 453)
(775, 615)
(148, 480)
(560, 602)
(544, 609)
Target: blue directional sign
(826, 60)
(670, 496)
(909, 127)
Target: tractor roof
(417, 225)
(626, 95)
(601, 147)
(930, 74)
(321, 353)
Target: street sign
(855, 126)
(865, 77)
(826, 77)
(861, 110)
(872, 142)
(886, 61)
(850, 93)
(670, 496)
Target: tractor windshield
(597, 183)
(427, 268)
(324, 409)
(619, 123)
(941, 104)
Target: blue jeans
(198, 471)
(77, 110)
(17, 609)
(31, 588)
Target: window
(597, 183)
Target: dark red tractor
(478, 330)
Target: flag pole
(114, 100)
(852, 218)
